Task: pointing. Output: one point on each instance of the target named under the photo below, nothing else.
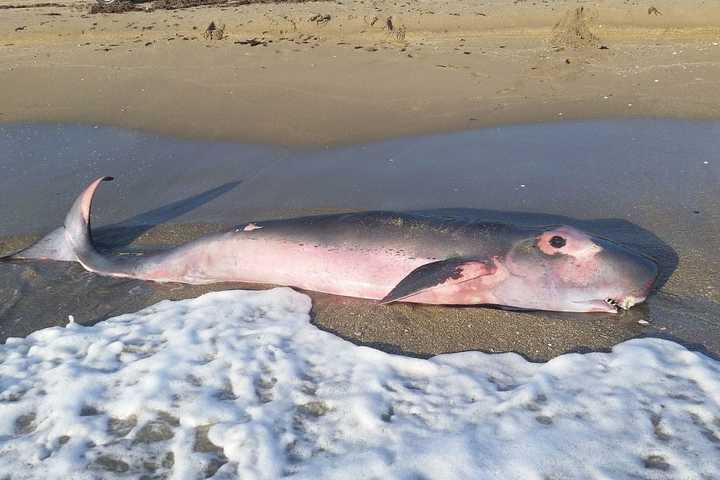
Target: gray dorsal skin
(385, 256)
(403, 233)
(399, 234)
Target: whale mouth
(608, 305)
(614, 304)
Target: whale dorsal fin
(431, 275)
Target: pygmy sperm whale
(386, 256)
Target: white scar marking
(250, 227)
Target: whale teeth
(613, 303)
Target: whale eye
(557, 242)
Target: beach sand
(340, 72)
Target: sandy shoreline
(327, 73)
(665, 203)
(238, 383)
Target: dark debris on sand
(117, 7)
(253, 42)
(32, 5)
(176, 4)
(127, 6)
(214, 32)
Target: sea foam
(240, 384)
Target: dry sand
(337, 72)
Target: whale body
(386, 256)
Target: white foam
(240, 384)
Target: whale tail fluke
(52, 246)
(73, 241)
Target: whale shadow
(125, 232)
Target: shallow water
(652, 184)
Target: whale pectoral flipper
(436, 274)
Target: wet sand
(342, 72)
(653, 185)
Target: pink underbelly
(340, 271)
